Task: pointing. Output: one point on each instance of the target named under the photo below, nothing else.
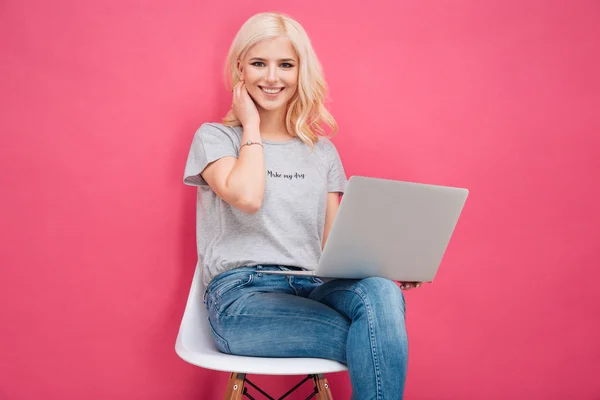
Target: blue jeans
(356, 322)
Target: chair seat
(195, 345)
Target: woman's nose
(272, 74)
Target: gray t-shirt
(288, 228)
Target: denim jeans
(357, 322)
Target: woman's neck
(272, 125)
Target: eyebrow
(280, 60)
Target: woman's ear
(240, 69)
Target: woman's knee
(382, 292)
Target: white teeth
(272, 91)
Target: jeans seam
(289, 282)
(371, 331)
(220, 338)
(226, 315)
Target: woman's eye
(262, 64)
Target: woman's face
(270, 70)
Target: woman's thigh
(266, 315)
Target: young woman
(269, 185)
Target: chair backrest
(194, 331)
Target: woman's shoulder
(217, 128)
(325, 145)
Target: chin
(273, 107)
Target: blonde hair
(306, 111)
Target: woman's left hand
(409, 285)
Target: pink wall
(99, 104)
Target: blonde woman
(269, 185)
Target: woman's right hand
(243, 106)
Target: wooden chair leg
(235, 386)
(322, 387)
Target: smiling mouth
(271, 90)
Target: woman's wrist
(252, 133)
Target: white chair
(195, 345)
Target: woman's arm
(240, 182)
(333, 203)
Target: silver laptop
(392, 229)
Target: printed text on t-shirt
(272, 174)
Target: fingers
(409, 285)
(236, 91)
(236, 94)
(239, 89)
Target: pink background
(99, 104)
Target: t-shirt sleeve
(336, 177)
(210, 143)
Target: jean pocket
(220, 342)
(229, 287)
(224, 286)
